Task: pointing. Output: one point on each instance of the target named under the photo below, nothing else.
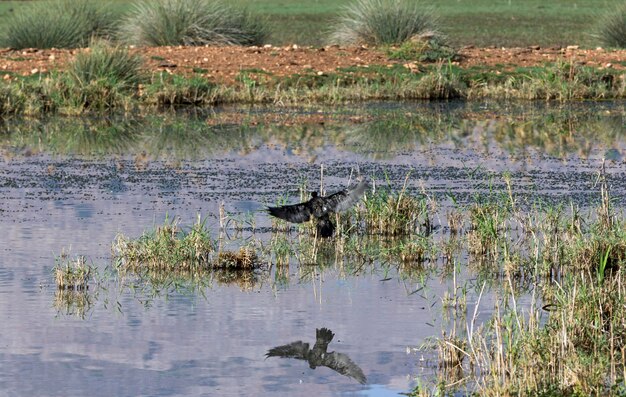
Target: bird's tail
(324, 333)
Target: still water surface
(74, 184)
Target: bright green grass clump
(58, 24)
(385, 22)
(190, 22)
(395, 214)
(168, 248)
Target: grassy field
(478, 22)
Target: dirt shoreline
(223, 64)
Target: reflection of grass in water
(179, 136)
(72, 136)
(186, 135)
(395, 133)
(150, 284)
(558, 134)
(73, 302)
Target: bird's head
(313, 194)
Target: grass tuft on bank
(385, 22)
(102, 61)
(58, 24)
(191, 23)
(611, 29)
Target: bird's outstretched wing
(343, 200)
(341, 363)
(297, 349)
(296, 213)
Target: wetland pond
(74, 184)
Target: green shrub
(58, 24)
(612, 28)
(190, 22)
(385, 22)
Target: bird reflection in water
(318, 356)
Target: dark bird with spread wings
(319, 207)
(318, 356)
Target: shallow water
(70, 184)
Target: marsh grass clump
(395, 214)
(412, 252)
(487, 222)
(280, 249)
(192, 23)
(600, 252)
(611, 29)
(13, 100)
(72, 274)
(455, 221)
(577, 350)
(168, 247)
(385, 22)
(58, 24)
(451, 350)
(571, 338)
(443, 82)
(564, 81)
